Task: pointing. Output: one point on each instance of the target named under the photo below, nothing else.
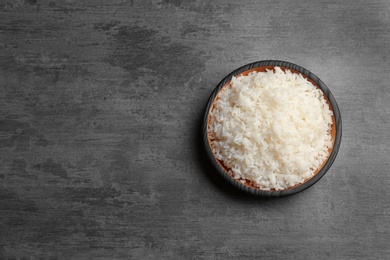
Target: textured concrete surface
(100, 109)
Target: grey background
(100, 115)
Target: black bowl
(335, 132)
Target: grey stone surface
(100, 110)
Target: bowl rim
(274, 193)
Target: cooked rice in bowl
(271, 129)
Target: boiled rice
(271, 128)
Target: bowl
(262, 66)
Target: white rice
(271, 129)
